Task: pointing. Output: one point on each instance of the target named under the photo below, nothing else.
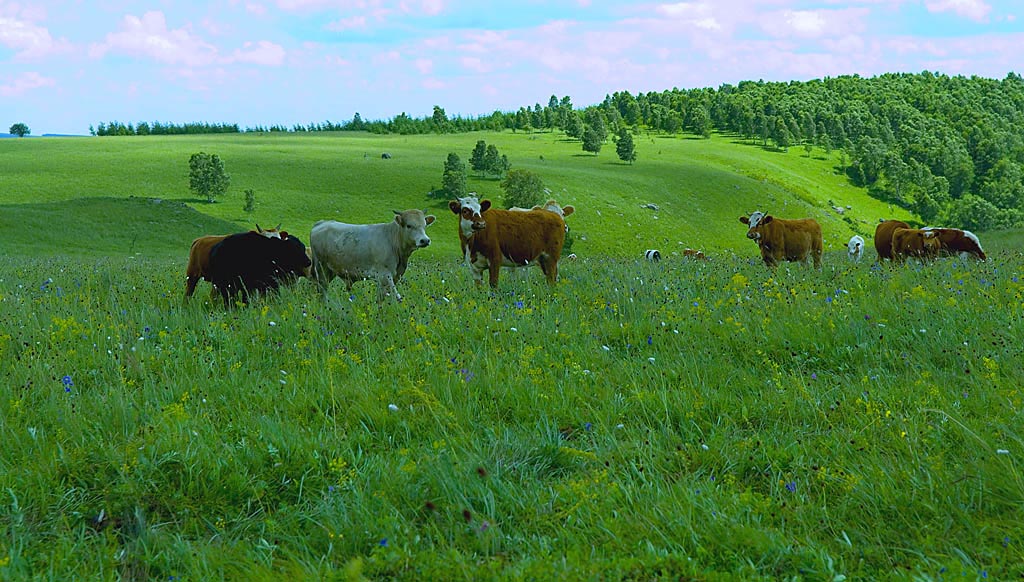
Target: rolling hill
(700, 187)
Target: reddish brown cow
(954, 241)
(492, 238)
(883, 237)
(916, 243)
(199, 257)
(785, 240)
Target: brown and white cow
(199, 257)
(694, 254)
(492, 238)
(785, 240)
(883, 237)
(957, 242)
(381, 251)
(914, 243)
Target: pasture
(704, 420)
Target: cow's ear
(484, 206)
(567, 210)
(744, 220)
(766, 219)
(398, 218)
(430, 218)
(455, 207)
(284, 234)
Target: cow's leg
(494, 269)
(386, 287)
(550, 268)
(190, 286)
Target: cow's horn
(278, 227)
(396, 212)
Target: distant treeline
(951, 149)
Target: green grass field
(708, 421)
(701, 187)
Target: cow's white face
(413, 225)
(855, 245)
(470, 211)
(755, 220)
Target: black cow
(251, 263)
(385, 156)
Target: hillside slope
(700, 188)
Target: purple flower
(587, 426)
(791, 486)
(519, 304)
(68, 383)
(828, 299)
(814, 376)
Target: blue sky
(67, 65)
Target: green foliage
(574, 125)
(206, 176)
(453, 179)
(592, 140)
(19, 129)
(250, 201)
(624, 146)
(718, 411)
(523, 189)
(477, 160)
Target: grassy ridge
(691, 419)
(701, 186)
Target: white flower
(1002, 452)
(272, 324)
(651, 359)
(393, 407)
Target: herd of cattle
(491, 238)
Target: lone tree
(453, 181)
(20, 130)
(250, 201)
(592, 140)
(523, 189)
(624, 146)
(206, 177)
(476, 159)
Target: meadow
(686, 420)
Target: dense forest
(951, 149)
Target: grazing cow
(249, 263)
(199, 257)
(785, 240)
(652, 255)
(571, 256)
(492, 238)
(855, 247)
(694, 254)
(954, 241)
(883, 237)
(916, 243)
(385, 156)
(379, 251)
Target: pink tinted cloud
(811, 24)
(28, 40)
(149, 36)
(24, 83)
(976, 10)
(260, 53)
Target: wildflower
(393, 407)
(484, 526)
(519, 304)
(383, 542)
(866, 317)
(1002, 452)
(828, 299)
(814, 376)
(651, 359)
(272, 324)
(791, 486)
(587, 426)
(650, 340)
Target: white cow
(380, 251)
(855, 247)
(652, 255)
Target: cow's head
(855, 245)
(470, 212)
(754, 222)
(413, 227)
(270, 232)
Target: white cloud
(474, 64)
(972, 9)
(260, 53)
(28, 40)
(434, 83)
(24, 83)
(347, 24)
(149, 36)
(698, 14)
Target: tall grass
(636, 421)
